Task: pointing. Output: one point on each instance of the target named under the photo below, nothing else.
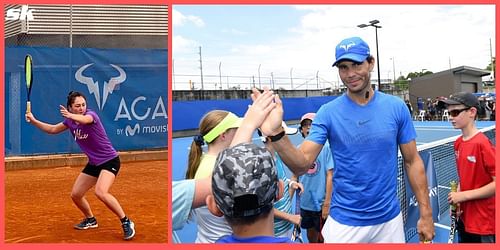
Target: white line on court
(442, 226)
(436, 128)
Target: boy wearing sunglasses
(475, 157)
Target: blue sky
(298, 41)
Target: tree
(424, 72)
(402, 83)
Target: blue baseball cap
(353, 49)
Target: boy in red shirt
(475, 156)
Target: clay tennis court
(38, 207)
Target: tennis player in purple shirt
(104, 162)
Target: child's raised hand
(263, 104)
(271, 125)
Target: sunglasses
(457, 112)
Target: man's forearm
(418, 183)
(291, 156)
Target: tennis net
(443, 159)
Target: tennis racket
(453, 207)
(297, 234)
(28, 65)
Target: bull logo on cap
(347, 46)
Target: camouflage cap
(244, 180)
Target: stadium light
(373, 24)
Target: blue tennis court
(435, 136)
(428, 132)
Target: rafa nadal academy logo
(93, 86)
(346, 47)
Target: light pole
(317, 80)
(393, 70)
(220, 77)
(201, 71)
(373, 24)
(272, 80)
(291, 79)
(260, 86)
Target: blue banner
(126, 87)
(293, 108)
(411, 200)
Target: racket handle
(28, 107)
(454, 187)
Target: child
(315, 203)
(217, 129)
(244, 188)
(284, 218)
(245, 183)
(186, 195)
(475, 156)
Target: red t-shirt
(476, 166)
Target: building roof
(465, 70)
(469, 71)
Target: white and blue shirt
(281, 227)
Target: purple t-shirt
(92, 139)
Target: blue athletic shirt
(182, 201)
(257, 239)
(364, 142)
(314, 181)
(281, 227)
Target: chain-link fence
(203, 85)
(227, 82)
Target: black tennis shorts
(310, 219)
(112, 166)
